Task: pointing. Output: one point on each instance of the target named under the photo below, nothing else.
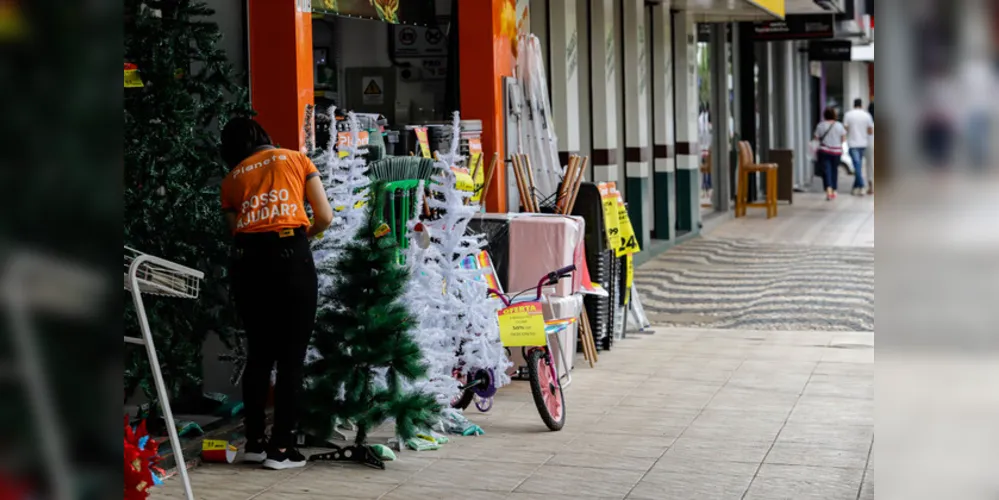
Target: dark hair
(829, 113)
(240, 138)
(858, 103)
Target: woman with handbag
(828, 140)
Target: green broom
(398, 178)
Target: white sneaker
(255, 452)
(289, 459)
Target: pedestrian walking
(828, 137)
(859, 126)
(273, 276)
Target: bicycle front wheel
(547, 391)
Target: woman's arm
(322, 212)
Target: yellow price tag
(627, 242)
(608, 199)
(214, 444)
(475, 164)
(421, 138)
(522, 324)
(463, 180)
(132, 78)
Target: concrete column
(663, 151)
(784, 94)
(804, 121)
(636, 89)
(720, 114)
(688, 205)
(603, 87)
(764, 98)
(563, 83)
(798, 123)
(583, 45)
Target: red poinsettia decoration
(140, 460)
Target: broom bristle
(400, 168)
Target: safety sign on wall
(373, 90)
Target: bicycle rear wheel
(465, 398)
(546, 391)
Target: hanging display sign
(795, 27)
(421, 139)
(627, 242)
(830, 50)
(344, 140)
(608, 200)
(418, 12)
(475, 163)
(522, 325)
(132, 78)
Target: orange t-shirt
(267, 191)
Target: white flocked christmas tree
(346, 185)
(454, 310)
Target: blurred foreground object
(172, 170)
(151, 275)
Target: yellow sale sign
(522, 324)
(627, 242)
(608, 199)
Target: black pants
(275, 289)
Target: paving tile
(828, 436)
(478, 475)
(581, 481)
(333, 495)
(691, 486)
(785, 453)
(441, 492)
(605, 460)
(626, 445)
(833, 411)
(867, 489)
(734, 398)
(845, 386)
(804, 483)
(725, 450)
(544, 496)
(325, 483)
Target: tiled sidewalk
(680, 414)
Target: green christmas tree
(363, 342)
(172, 172)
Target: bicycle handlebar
(550, 279)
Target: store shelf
(156, 276)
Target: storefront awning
(725, 11)
(777, 8)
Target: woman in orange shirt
(273, 276)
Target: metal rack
(149, 275)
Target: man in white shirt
(859, 129)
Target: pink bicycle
(546, 386)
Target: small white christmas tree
(347, 189)
(466, 313)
